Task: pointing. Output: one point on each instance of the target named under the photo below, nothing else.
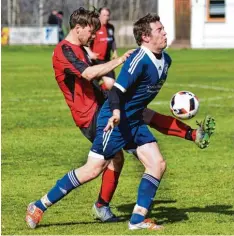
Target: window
(216, 10)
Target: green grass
(40, 143)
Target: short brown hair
(104, 8)
(142, 26)
(84, 18)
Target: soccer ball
(184, 105)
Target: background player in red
(103, 47)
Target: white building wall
(206, 34)
(166, 11)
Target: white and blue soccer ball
(184, 105)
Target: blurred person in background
(104, 45)
(53, 19)
(60, 25)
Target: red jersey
(69, 62)
(103, 42)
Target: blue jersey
(140, 79)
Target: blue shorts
(107, 144)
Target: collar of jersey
(157, 62)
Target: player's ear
(78, 28)
(145, 38)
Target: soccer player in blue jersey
(120, 125)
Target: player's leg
(171, 126)
(148, 153)
(110, 177)
(101, 209)
(73, 179)
(155, 166)
(111, 174)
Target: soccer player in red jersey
(104, 43)
(76, 78)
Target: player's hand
(93, 55)
(113, 121)
(126, 55)
(115, 55)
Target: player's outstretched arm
(97, 71)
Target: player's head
(148, 30)
(104, 15)
(84, 24)
(54, 12)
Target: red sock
(171, 126)
(109, 184)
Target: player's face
(85, 35)
(158, 38)
(104, 16)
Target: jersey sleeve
(129, 74)
(71, 64)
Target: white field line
(200, 86)
(216, 98)
(200, 100)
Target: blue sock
(136, 218)
(146, 193)
(62, 187)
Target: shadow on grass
(123, 208)
(69, 223)
(162, 214)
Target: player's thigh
(91, 169)
(147, 148)
(95, 162)
(148, 115)
(107, 144)
(90, 131)
(141, 135)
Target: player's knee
(163, 166)
(94, 172)
(158, 166)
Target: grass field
(40, 143)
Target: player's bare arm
(97, 71)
